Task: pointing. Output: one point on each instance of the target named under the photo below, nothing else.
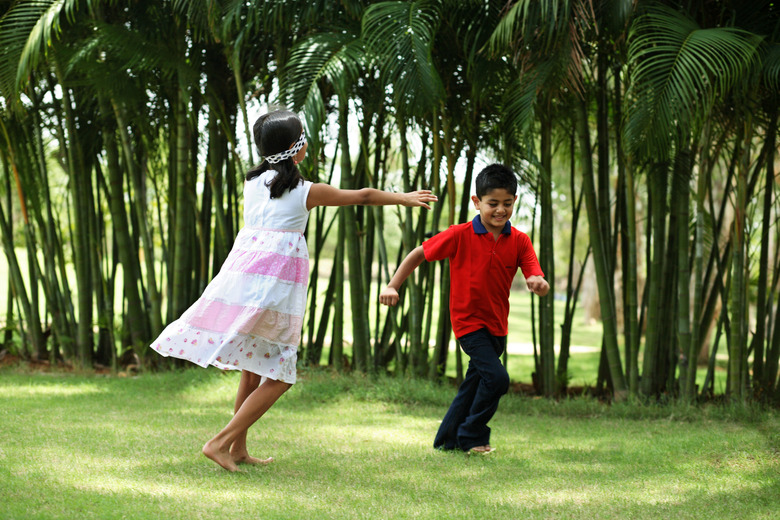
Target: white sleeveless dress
(251, 314)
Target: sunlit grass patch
(361, 447)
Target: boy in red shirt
(484, 256)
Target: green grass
(87, 446)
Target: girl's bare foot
(245, 458)
(223, 458)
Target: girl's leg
(249, 382)
(254, 406)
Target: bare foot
(222, 458)
(482, 450)
(245, 458)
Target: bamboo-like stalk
(600, 256)
(80, 186)
(138, 326)
(360, 332)
(547, 259)
(737, 385)
(682, 183)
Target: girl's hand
(419, 199)
(389, 297)
(537, 285)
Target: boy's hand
(419, 198)
(389, 297)
(537, 285)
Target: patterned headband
(294, 149)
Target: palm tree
(674, 86)
(546, 38)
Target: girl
(249, 318)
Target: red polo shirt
(481, 273)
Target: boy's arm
(390, 295)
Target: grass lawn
(88, 446)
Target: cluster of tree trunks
(121, 150)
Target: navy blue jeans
(465, 424)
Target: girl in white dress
(250, 316)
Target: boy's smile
(495, 208)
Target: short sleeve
(440, 246)
(526, 256)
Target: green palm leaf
(542, 21)
(677, 70)
(401, 35)
(771, 69)
(26, 32)
(336, 58)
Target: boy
(484, 256)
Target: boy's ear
(475, 200)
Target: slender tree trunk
(337, 335)
(770, 370)
(81, 187)
(154, 308)
(630, 285)
(572, 289)
(410, 241)
(657, 183)
(360, 333)
(184, 215)
(737, 386)
(600, 254)
(137, 318)
(682, 185)
(760, 335)
(547, 260)
(698, 288)
(15, 277)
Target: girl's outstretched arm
(322, 194)
(390, 295)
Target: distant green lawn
(86, 446)
(583, 365)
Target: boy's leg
(447, 436)
(485, 351)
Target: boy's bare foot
(482, 450)
(222, 458)
(245, 458)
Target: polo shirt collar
(479, 228)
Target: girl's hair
(274, 133)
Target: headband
(294, 149)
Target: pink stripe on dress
(269, 264)
(222, 317)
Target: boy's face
(495, 207)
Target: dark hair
(274, 133)
(494, 177)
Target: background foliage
(644, 132)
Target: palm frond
(771, 69)
(541, 21)
(548, 31)
(336, 58)
(677, 70)
(401, 35)
(26, 32)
